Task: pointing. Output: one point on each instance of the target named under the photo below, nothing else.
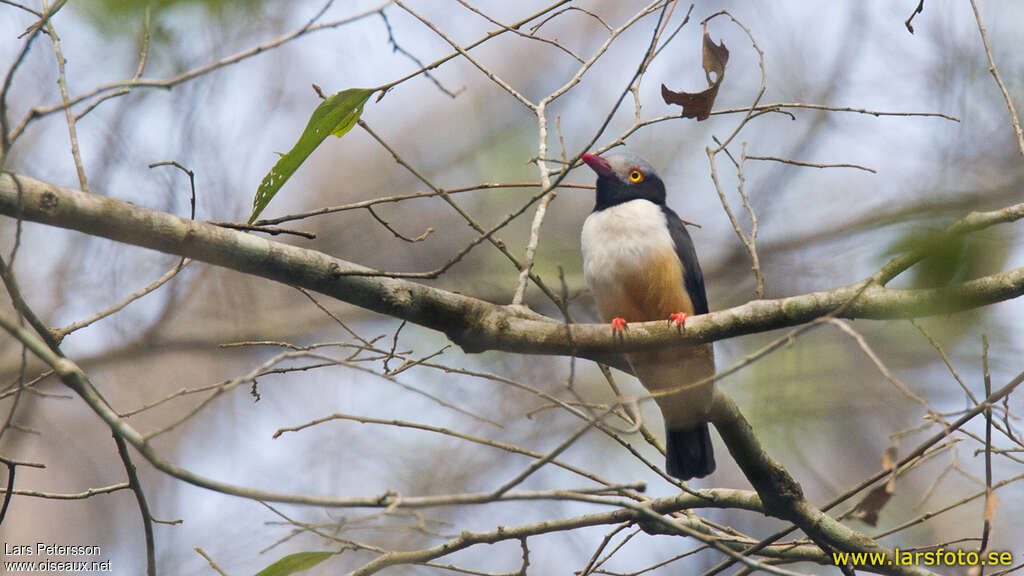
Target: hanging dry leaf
(698, 104)
(867, 509)
(889, 458)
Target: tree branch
(474, 324)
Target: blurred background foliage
(820, 405)
(114, 16)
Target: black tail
(688, 452)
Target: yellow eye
(636, 176)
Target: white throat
(620, 238)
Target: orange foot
(679, 318)
(619, 325)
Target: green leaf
(295, 563)
(335, 115)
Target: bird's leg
(619, 325)
(679, 318)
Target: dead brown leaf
(698, 104)
(889, 458)
(867, 510)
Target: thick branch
(781, 495)
(474, 324)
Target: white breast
(619, 239)
(617, 243)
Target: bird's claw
(678, 318)
(619, 325)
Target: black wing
(693, 278)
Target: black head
(624, 177)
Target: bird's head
(624, 177)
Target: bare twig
(403, 197)
(143, 56)
(74, 496)
(519, 33)
(465, 54)
(810, 164)
(484, 234)
(210, 561)
(62, 332)
(749, 241)
(62, 82)
(191, 182)
(918, 10)
(397, 234)
(988, 510)
(995, 74)
(6, 136)
(31, 11)
(447, 432)
(540, 108)
(552, 16)
(396, 48)
(272, 230)
(140, 497)
(385, 88)
(311, 26)
(945, 359)
(540, 462)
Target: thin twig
(749, 241)
(62, 332)
(945, 359)
(396, 233)
(385, 88)
(519, 33)
(311, 26)
(811, 164)
(755, 260)
(62, 82)
(465, 54)
(483, 234)
(31, 11)
(587, 569)
(272, 230)
(396, 48)
(210, 561)
(143, 57)
(550, 17)
(73, 496)
(989, 496)
(995, 74)
(540, 108)
(918, 10)
(447, 432)
(403, 197)
(540, 462)
(7, 137)
(140, 498)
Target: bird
(641, 265)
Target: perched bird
(640, 265)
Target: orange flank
(618, 325)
